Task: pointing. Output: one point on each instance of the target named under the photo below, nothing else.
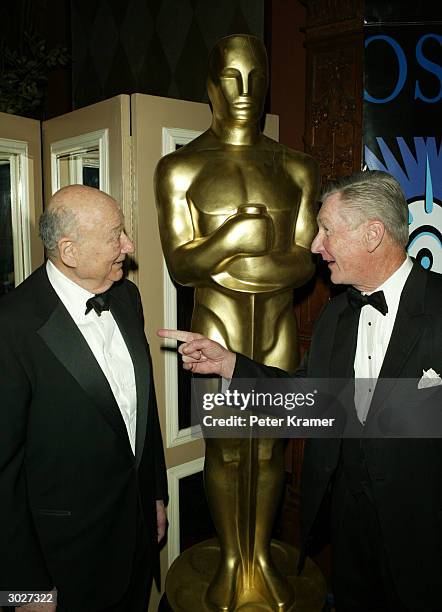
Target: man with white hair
(386, 494)
(82, 474)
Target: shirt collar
(394, 285)
(72, 295)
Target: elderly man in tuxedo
(385, 494)
(82, 473)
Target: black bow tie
(376, 299)
(98, 303)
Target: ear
(68, 252)
(374, 235)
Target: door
(20, 199)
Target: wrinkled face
(238, 77)
(101, 248)
(344, 249)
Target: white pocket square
(430, 378)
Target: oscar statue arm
(291, 267)
(192, 258)
(298, 260)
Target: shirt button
(369, 323)
(369, 356)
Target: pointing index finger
(178, 334)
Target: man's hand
(201, 355)
(161, 519)
(39, 607)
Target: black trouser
(136, 596)
(362, 580)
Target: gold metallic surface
(236, 217)
(190, 575)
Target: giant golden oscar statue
(236, 217)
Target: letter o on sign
(402, 60)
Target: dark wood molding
(324, 12)
(334, 89)
(333, 135)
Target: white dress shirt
(106, 343)
(374, 332)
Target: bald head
(83, 232)
(77, 197)
(69, 212)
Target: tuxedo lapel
(342, 365)
(129, 326)
(59, 331)
(66, 342)
(407, 330)
(408, 325)
(344, 344)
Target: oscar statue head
(238, 79)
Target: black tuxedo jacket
(405, 474)
(71, 490)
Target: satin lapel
(344, 344)
(342, 364)
(67, 343)
(407, 330)
(129, 325)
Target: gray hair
(370, 195)
(54, 224)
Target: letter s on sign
(430, 67)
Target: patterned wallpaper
(157, 47)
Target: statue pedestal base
(190, 574)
